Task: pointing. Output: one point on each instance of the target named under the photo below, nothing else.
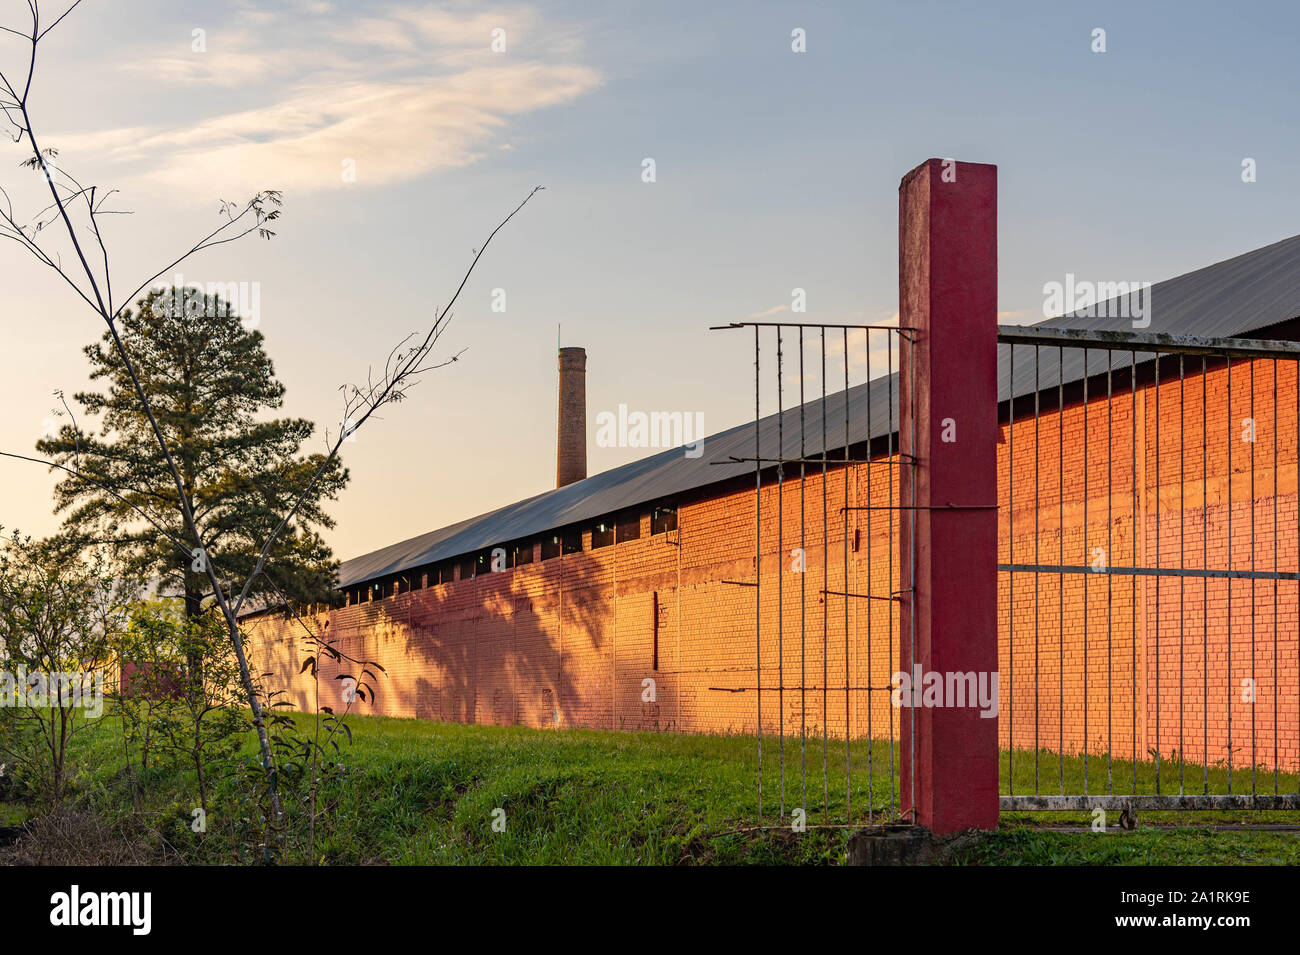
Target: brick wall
(570, 641)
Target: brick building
(558, 610)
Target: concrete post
(948, 421)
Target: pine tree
(211, 385)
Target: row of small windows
(610, 530)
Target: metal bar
(1158, 745)
(890, 380)
(1037, 538)
(780, 568)
(1110, 550)
(848, 725)
(911, 583)
(1147, 342)
(1182, 557)
(1087, 552)
(842, 593)
(1011, 581)
(826, 571)
(1205, 583)
(1149, 802)
(1133, 586)
(1254, 434)
(900, 329)
(758, 566)
(888, 688)
(1276, 590)
(1122, 571)
(1060, 583)
(804, 560)
(930, 507)
(733, 459)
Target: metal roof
(1247, 292)
(1238, 295)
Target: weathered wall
(568, 641)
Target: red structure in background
(152, 681)
(948, 424)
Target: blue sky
(774, 170)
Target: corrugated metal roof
(650, 479)
(1229, 298)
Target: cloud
(401, 95)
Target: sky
(400, 138)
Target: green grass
(1018, 844)
(425, 793)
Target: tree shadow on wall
(525, 646)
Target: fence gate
(829, 587)
(903, 467)
(1149, 549)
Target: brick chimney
(571, 435)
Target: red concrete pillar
(948, 421)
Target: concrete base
(907, 845)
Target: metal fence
(1149, 571)
(1149, 549)
(825, 625)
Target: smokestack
(571, 435)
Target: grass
(427, 793)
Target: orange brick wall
(568, 641)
